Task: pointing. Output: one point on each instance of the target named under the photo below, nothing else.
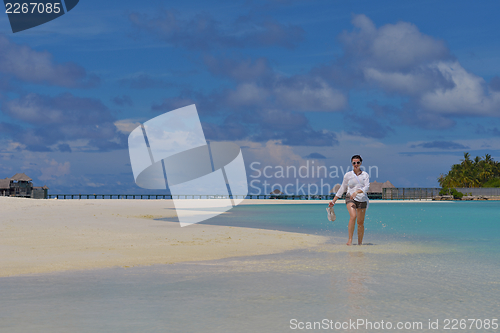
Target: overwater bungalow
(20, 185)
(376, 189)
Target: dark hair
(357, 157)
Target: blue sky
(410, 86)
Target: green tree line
(480, 172)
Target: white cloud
(295, 93)
(52, 170)
(61, 118)
(271, 153)
(470, 94)
(9, 146)
(63, 109)
(247, 94)
(126, 125)
(392, 47)
(412, 83)
(33, 66)
(304, 96)
(399, 59)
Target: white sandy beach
(41, 236)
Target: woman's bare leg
(352, 221)
(361, 224)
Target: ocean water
(425, 265)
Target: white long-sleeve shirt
(352, 185)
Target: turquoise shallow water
(427, 261)
(475, 224)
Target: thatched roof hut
(21, 177)
(5, 183)
(20, 185)
(335, 188)
(376, 187)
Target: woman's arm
(335, 198)
(366, 183)
(341, 190)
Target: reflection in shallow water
(256, 293)
(356, 287)
(396, 279)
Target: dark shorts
(357, 204)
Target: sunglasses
(355, 163)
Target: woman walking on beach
(357, 183)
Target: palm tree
(466, 160)
(471, 173)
